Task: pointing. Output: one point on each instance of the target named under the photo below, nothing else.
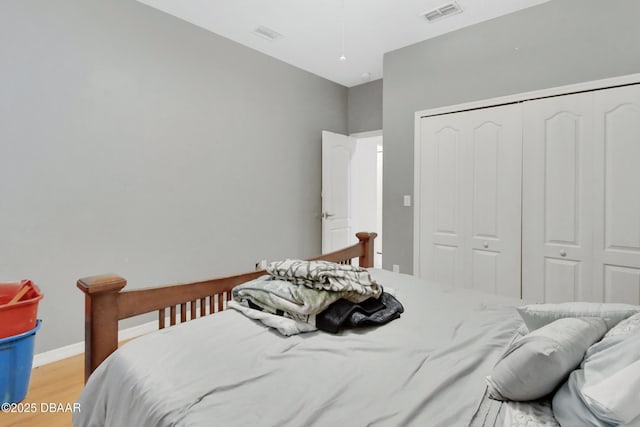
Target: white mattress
(425, 369)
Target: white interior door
(441, 202)
(558, 203)
(493, 200)
(617, 188)
(337, 152)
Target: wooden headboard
(106, 302)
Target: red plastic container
(20, 317)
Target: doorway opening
(351, 189)
(367, 188)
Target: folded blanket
(279, 295)
(299, 292)
(340, 315)
(326, 276)
(282, 324)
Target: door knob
(563, 253)
(486, 245)
(327, 215)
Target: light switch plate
(406, 200)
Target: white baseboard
(78, 348)
(125, 334)
(136, 331)
(58, 354)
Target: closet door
(493, 199)
(558, 200)
(441, 199)
(617, 188)
(470, 172)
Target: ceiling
(312, 30)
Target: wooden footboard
(106, 303)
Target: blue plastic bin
(16, 359)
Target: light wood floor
(59, 382)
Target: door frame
(367, 134)
(491, 102)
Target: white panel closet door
(441, 199)
(558, 200)
(617, 188)
(493, 199)
(470, 199)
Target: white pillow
(538, 315)
(533, 366)
(625, 327)
(615, 399)
(602, 362)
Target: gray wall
(133, 142)
(560, 42)
(365, 107)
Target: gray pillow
(538, 315)
(573, 403)
(534, 365)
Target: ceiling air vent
(443, 11)
(267, 33)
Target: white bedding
(425, 369)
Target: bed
(426, 368)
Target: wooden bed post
(366, 243)
(101, 318)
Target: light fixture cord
(343, 57)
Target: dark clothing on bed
(345, 314)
